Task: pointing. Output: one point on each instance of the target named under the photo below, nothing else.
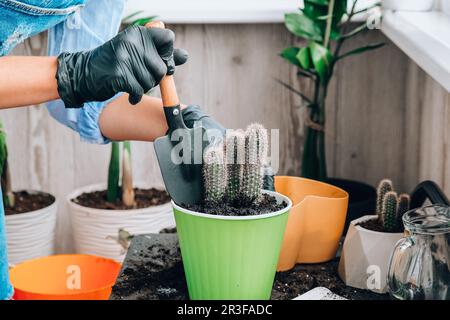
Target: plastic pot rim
(241, 218)
(75, 293)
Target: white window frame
(219, 11)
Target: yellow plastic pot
(315, 223)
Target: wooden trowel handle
(169, 94)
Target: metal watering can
(420, 263)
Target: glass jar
(420, 263)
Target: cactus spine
(256, 145)
(214, 174)
(235, 159)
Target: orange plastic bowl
(64, 277)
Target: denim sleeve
(6, 289)
(86, 29)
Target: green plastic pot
(228, 257)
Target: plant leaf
(304, 57)
(290, 54)
(318, 2)
(128, 17)
(302, 26)
(322, 60)
(362, 49)
(143, 21)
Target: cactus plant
(235, 159)
(214, 175)
(403, 205)
(390, 207)
(256, 145)
(384, 187)
(389, 211)
(236, 176)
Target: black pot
(362, 198)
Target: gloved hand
(193, 115)
(134, 61)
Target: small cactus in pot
(390, 206)
(237, 224)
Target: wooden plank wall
(385, 117)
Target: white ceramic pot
(365, 256)
(32, 234)
(96, 231)
(408, 5)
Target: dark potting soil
(376, 225)
(153, 270)
(29, 201)
(144, 198)
(268, 204)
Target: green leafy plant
(8, 195)
(236, 176)
(324, 24)
(390, 207)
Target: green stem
(113, 192)
(326, 39)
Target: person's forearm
(143, 122)
(27, 80)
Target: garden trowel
(180, 152)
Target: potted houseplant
(30, 216)
(325, 26)
(230, 243)
(370, 240)
(105, 216)
(407, 5)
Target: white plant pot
(32, 234)
(96, 231)
(365, 256)
(407, 5)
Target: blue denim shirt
(75, 25)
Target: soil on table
(144, 198)
(268, 204)
(29, 201)
(376, 225)
(153, 270)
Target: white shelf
(220, 11)
(425, 38)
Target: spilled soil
(144, 198)
(29, 201)
(153, 270)
(268, 204)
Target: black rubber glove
(193, 115)
(134, 61)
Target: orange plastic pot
(64, 277)
(316, 221)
